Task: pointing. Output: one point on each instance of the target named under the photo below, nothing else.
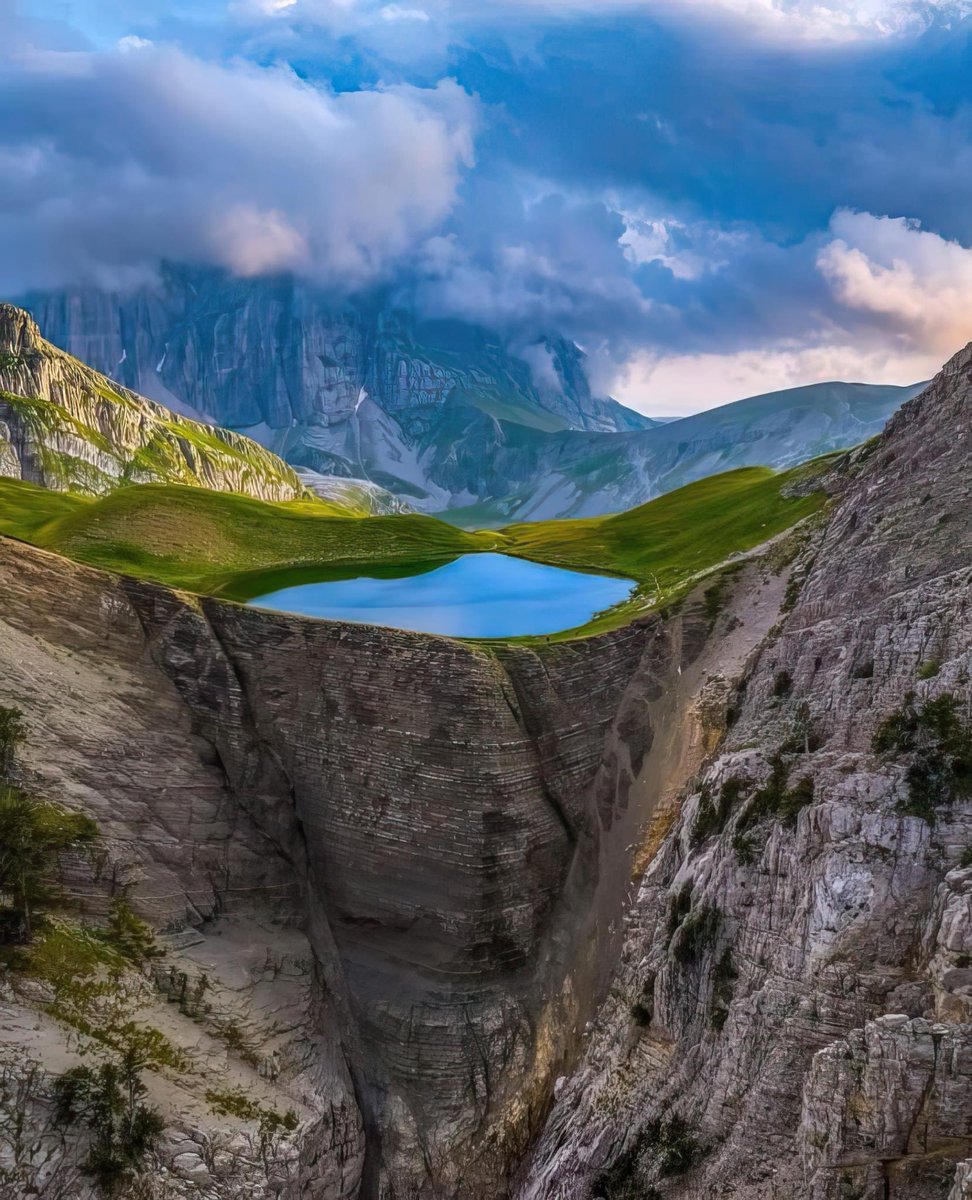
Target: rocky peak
(67, 427)
(18, 330)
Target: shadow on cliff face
(455, 828)
(466, 820)
(792, 998)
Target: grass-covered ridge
(231, 546)
(220, 543)
(670, 543)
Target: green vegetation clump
(129, 934)
(679, 907)
(697, 933)
(714, 598)
(935, 740)
(723, 980)
(791, 594)
(712, 813)
(33, 836)
(775, 799)
(930, 668)
(272, 1124)
(234, 1102)
(744, 848)
(664, 1147)
(13, 732)
(690, 930)
(672, 1144)
(109, 1100)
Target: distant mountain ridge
(351, 389)
(586, 474)
(442, 415)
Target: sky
(714, 198)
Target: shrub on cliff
(713, 812)
(12, 733)
(109, 1101)
(775, 799)
(935, 741)
(696, 934)
(33, 835)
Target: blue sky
(713, 197)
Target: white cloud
(677, 385)
(812, 20)
(398, 12)
(132, 42)
(912, 283)
(831, 20)
(115, 160)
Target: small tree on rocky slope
(33, 835)
(109, 1101)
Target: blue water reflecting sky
(480, 595)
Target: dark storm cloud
(649, 177)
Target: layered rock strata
(452, 826)
(64, 426)
(791, 1013)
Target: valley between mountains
(677, 904)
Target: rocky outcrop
(688, 901)
(442, 414)
(791, 1013)
(293, 368)
(452, 827)
(64, 426)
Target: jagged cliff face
(354, 389)
(64, 426)
(447, 855)
(441, 414)
(451, 828)
(794, 986)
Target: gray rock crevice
(791, 982)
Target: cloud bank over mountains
(712, 197)
(112, 160)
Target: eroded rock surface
(456, 833)
(64, 426)
(791, 1013)
(452, 827)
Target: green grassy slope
(220, 543)
(228, 545)
(675, 536)
(670, 543)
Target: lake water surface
(478, 595)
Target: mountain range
(438, 416)
(678, 907)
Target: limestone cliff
(792, 1012)
(681, 910)
(442, 414)
(451, 829)
(64, 426)
(345, 387)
